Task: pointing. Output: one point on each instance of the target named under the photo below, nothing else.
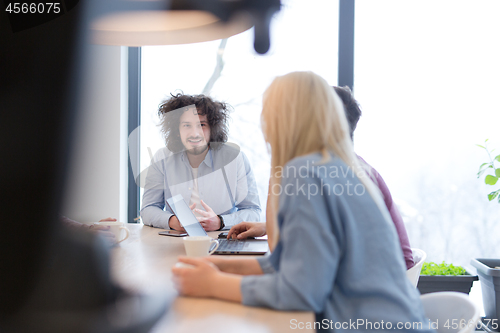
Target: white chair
(414, 272)
(450, 311)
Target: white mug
(116, 228)
(199, 246)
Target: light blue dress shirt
(338, 255)
(225, 183)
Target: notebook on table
(226, 246)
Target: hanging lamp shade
(165, 27)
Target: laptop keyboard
(230, 245)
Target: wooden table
(143, 262)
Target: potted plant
(444, 277)
(489, 269)
(490, 167)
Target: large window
(304, 37)
(427, 78)
(427, 75)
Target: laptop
(226, 246)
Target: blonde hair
(302, 114)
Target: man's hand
(247, 229)
(174, 223)
(209, 220)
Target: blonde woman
(335, 250)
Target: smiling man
(213, 176)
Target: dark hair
(217, 116)
(351, 107)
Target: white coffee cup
(116, 228)
(199, 246)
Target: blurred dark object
(26, 15)
(20, 21)
(262, 12)
(50, 281)
(75, 294)
(35, 123)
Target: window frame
(345, 78)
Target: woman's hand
(198, 280)
(240, 266)
(204, 279)
(223, 264)
(247, 229)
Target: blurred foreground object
(141, 23)
(51, 280)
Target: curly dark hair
(217, 116)
(351, 107)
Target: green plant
(431, 268)
(490, 179)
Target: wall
(97, 182)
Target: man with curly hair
(214, 177)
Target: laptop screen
(185, 216)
